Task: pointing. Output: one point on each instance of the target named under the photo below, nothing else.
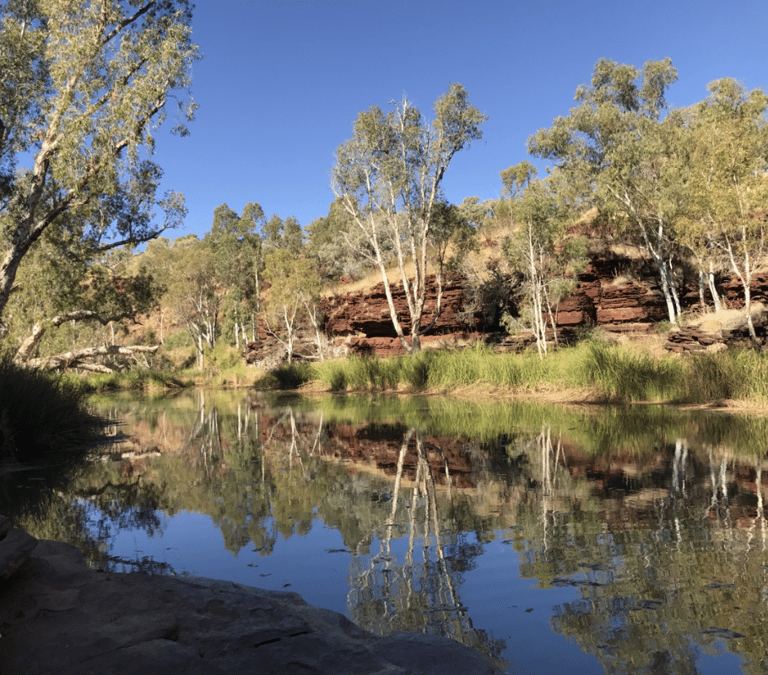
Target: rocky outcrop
(368, 313)
(733, 333)
(617, 292)
(362, 323)
(59, 616)
(604, 296)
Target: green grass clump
(626, 376)
(733, 373)
(41, 413)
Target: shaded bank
(43, 414)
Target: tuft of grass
(41, 413)
(730, 374)
(626, 376)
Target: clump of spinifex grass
(42, 413)
(735, 373)
(623, 375)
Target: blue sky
(281, 81)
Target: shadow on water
(639, 532)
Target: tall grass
(738, 374)
(42, 413)
(611, 372)
(626, 376)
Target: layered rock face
(604, 296)
(364, 323)
(615, 293)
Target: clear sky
(281, 81)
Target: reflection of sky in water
(509, 608)
(577, 558)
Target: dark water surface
(629, 540)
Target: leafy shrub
(287, 376)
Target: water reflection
(639, 533)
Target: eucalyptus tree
(74, 274)
(85, 86)
(292, 297)
(388, 178)
(194, 291)
(614, 145)
(538, 245)
(327, 242)
(237, 248)
(282, 234)
(729, 179)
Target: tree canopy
(388, 178)
(85, 87)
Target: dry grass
(369, 281)
(727, 319)
(643, 343)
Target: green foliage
(41, 414)
(287, 376)
(388, 179)
(85, 86)
(619, 155)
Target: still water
(578, 540)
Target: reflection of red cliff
(379, 446)
(382, 446)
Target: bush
(287, 376)
(41, 413)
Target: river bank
(58, 615)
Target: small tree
(294, 287)
(729, 181)
(388, 178)
(194, 292)
(540, 215)
(237, 250)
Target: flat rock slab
(59, 616)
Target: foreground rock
(59, 616)
(15, 547)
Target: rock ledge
(59, 616)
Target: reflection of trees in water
(662, 574)
(416, 590)
(661, 532)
